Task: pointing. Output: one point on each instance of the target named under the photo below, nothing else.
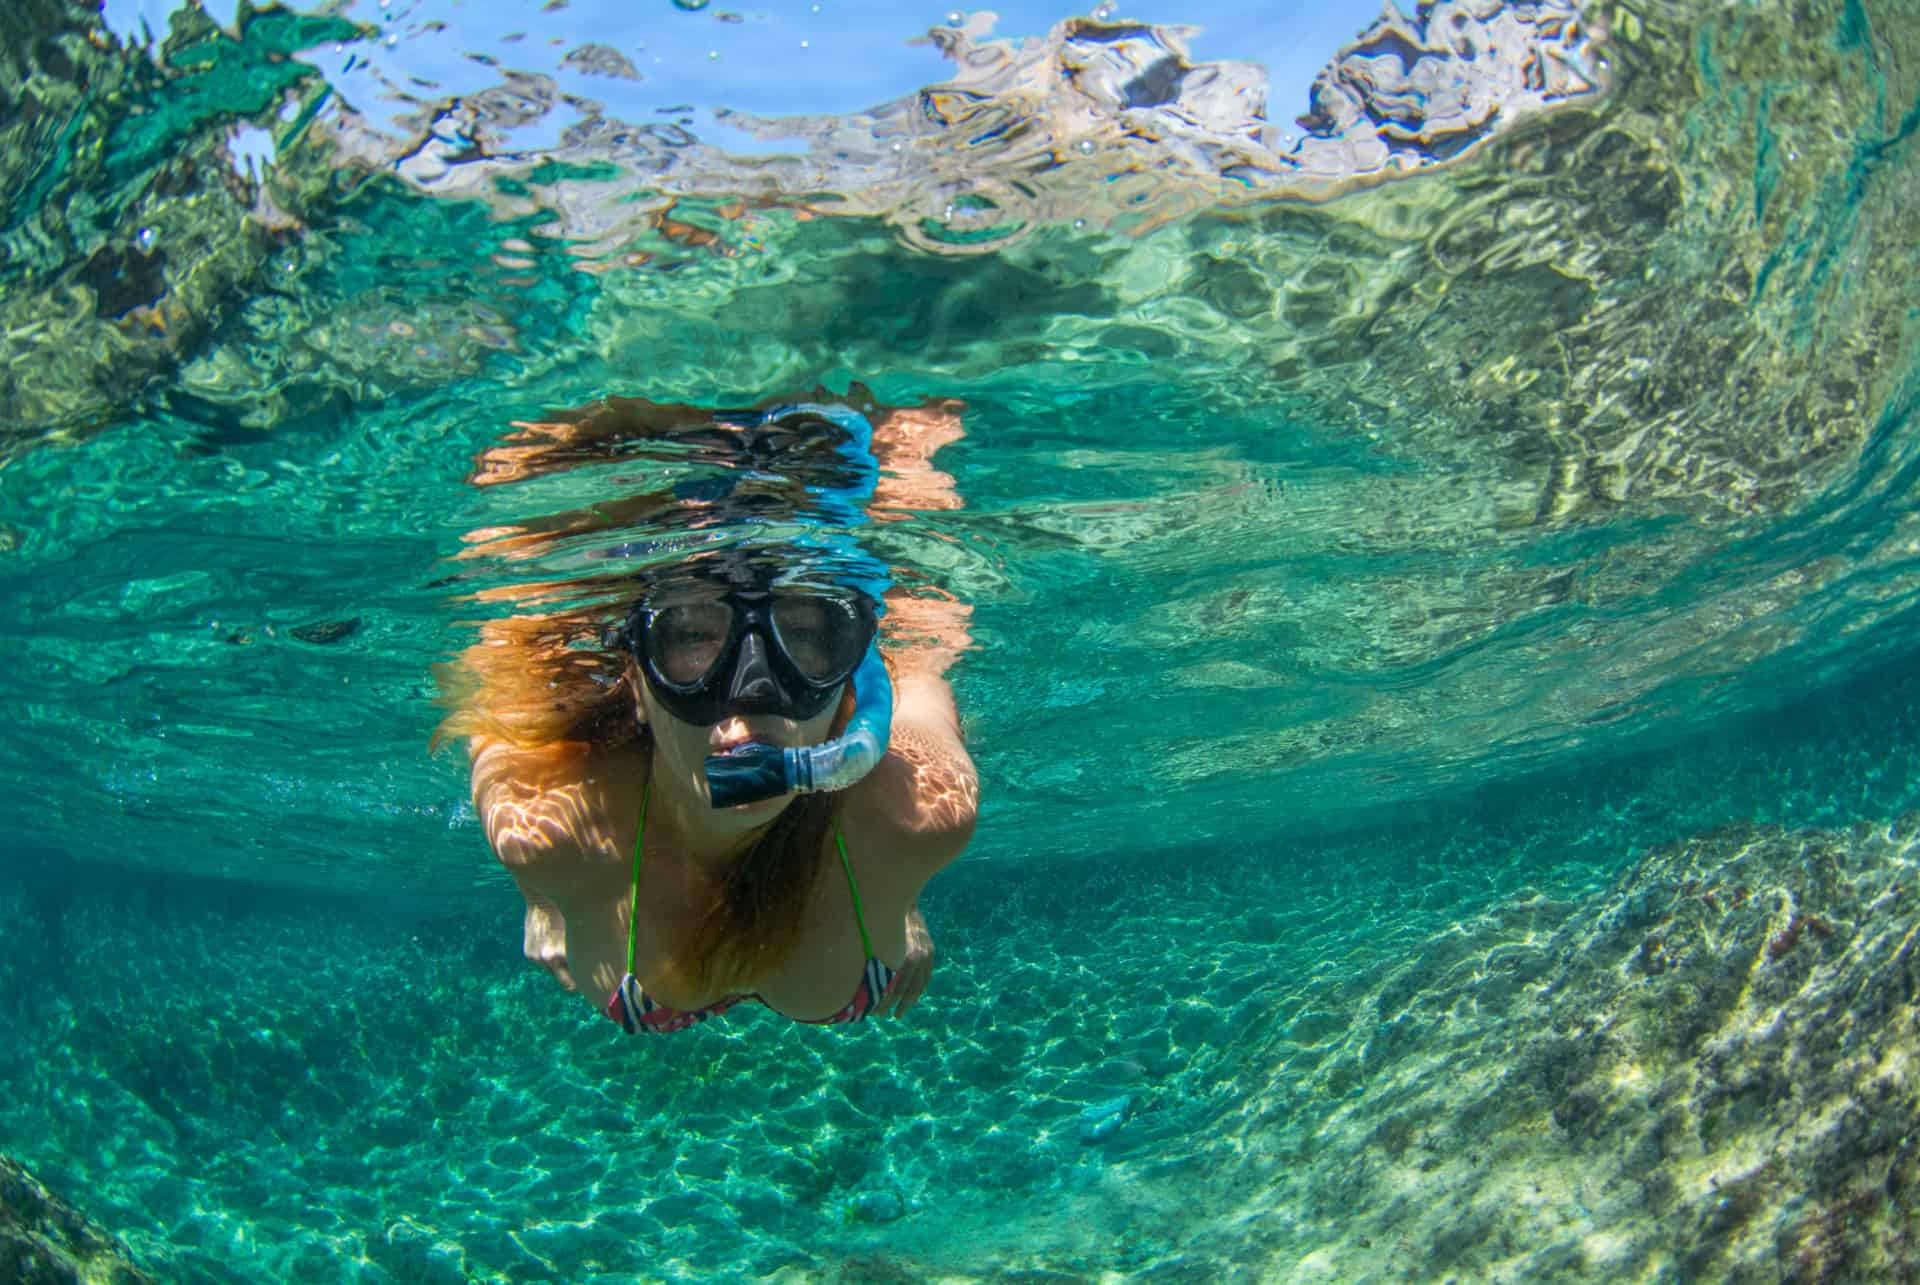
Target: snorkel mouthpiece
(747, 774)
(755, 771)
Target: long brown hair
(534, 681)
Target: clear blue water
(1357, 534)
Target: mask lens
(823, 637)
(686, 640)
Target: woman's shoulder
(538, 802)
(500, 762)
(920, 803)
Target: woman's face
(681, 748)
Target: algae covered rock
(45, 1241)
(134, 220)
(1706, 1070)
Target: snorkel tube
(756, 771)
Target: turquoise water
(1370, 525)
(390, 1092)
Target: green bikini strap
(633, 908)
(859, 917)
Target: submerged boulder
(46, 1241)
(1706, 1069)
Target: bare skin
(562, 819)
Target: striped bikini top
(636, 1011)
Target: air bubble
(144, 239)
(1104, 13)
(955, 18)
(713, 55)
(806, 44)
(1079, 224)
(392, 40)
(691, 6)
(1086, 146)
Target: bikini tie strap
(633, 908)
(859, 917)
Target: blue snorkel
(756, 770)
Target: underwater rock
(877, 1205)
(1709, 1069)
(322, 632)
(1102, 1120)
(601, 60)
(135, 230)
(1597, 313)
(45, 1241)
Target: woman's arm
(910, 979)
(923, 800)
(927, 631)
(530, 803)
(928, 750)
(543, 936)
(531, 807)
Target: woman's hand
(544, 939)
(910, 982)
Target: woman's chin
(758, 809)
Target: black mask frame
(753, 672)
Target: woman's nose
(753, 680)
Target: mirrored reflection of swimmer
(732, 797)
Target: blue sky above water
(798, 57)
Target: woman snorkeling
(732, 796)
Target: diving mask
(782, 651)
